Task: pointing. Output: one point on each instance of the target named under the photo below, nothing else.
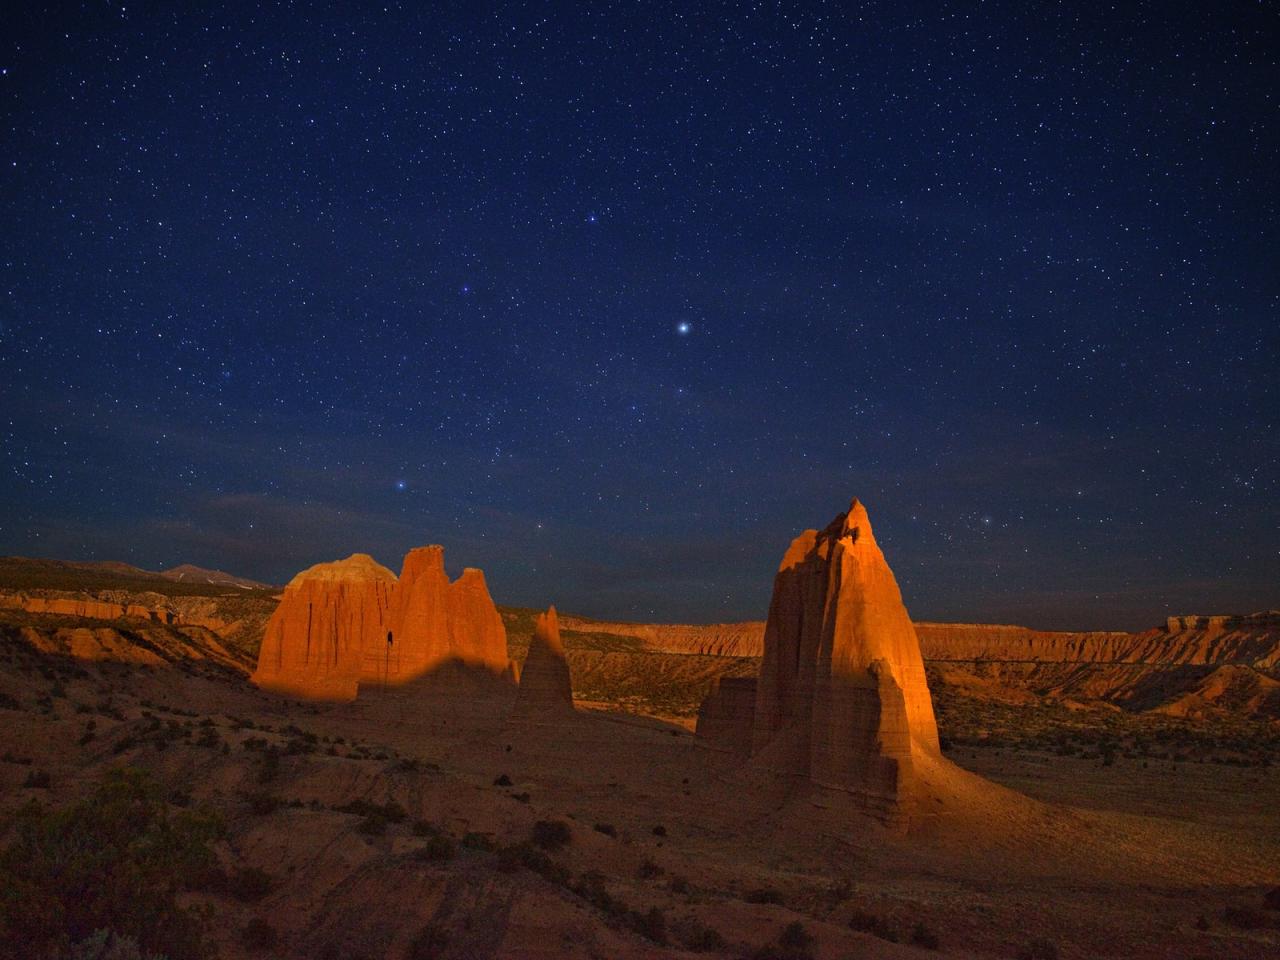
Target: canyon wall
(1252, 639)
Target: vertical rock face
(348, 623)
(545, 687)
(477, 635)
(329, 614)
(841, 699)
(725, 716)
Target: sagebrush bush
(115, 861)
(551, 834)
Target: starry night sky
(614, 299)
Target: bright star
(683, 328)
(401, 485)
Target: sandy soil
(1102, 861)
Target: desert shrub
(1039, 949)
(793, 943)
(659, 831)
(424, 828)
(702, 939)
(38, 779)
(1272, 898)
(590, 887)
(209, 739)
(427, 945)
(678, 884)
(477, 841)
(440, 848)
(651, 925)
(502, 781)
(551, 834)
(270, 768)
(922, 936)
(262, 804)
(865, 922)
(526, 855)
(763, 895)
(249, 884)
(648, 870)
(520, 797)
(608, 829)
(115, 862)
(1245, 918)
(108, 945)
(373, 826)
(259, 935)
(9, 703)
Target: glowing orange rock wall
(351, 623)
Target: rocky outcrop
(150, 645)
(1252, 639)
(744, 639)
(433, 621)
(546, 691)
(727, 714)
(87, 607)
(330, 615)
(841, 698)
(351, 623)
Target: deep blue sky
(612, 300)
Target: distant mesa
(189, 573)
(841, 699)
(546, 691)
(352, 623)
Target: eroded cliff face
(329, 616)
(1253, 639)
(340, 625)
(1250, 638)
(745, 639)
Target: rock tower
(545, 688)
(841, 698)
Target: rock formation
(329, 615)
(341, 625)
(841, 699)
(545, 688)
(726, 715)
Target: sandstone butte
(841, 699)
(545, 688)
(350, 623)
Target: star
(683, 328)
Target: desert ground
(420, 821)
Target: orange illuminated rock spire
(841, 699)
